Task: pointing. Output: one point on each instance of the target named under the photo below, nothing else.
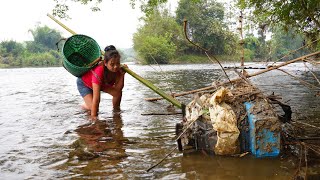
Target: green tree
(251, 44)
(301, 15)
(261, 50)
(39, 52)
(156, 50)
(40, 59)
(11, 48)
(157, 40)
(11, 52)
(284, 42)
(206, 26)
(62, 7)
(45, 38)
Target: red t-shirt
(95, 75)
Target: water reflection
(98, 150)
(226, 167)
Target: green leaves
(44, 39)
(156, 50)
(206, 26)
(41, 51)
(156, 41)
(162, 38)
(301, 15)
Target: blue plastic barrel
(264, 133)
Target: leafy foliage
(284, 42)
(44, 39)
(157, 50)
(61, 8)
(147, 6)
(209, 29)
(12, 48)
(40, 52)
(206, 26)
(301, 15)
(157, 40)
(251, 44)
(41, 59)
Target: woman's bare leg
(87, 102)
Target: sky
(114, 24)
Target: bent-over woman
(107, 76)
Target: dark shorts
(83, 89)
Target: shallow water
(41, 125)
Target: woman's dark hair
(110, 52)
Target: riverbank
(201, 59)
(183, 59)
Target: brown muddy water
(44, 134)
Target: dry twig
(312, 72)
(300, 80)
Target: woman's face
(113, 64)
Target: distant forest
(229, 32)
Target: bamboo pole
(154, 88)
(237, 79)
(133, 74)
(58, 22)
(300, 80)
(241, 41)
(313, 74)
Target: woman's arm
(95, 100)
(116, 89)
(119, 83)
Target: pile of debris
(231, 120)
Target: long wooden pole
(58, 22)
(133, 74)
(154, 88)
(241, 41)
(237, 79)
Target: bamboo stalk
(313, 62)
(65, 27)
(150, 114)
(174, 148)
(133, 74)
(94, 62)
(154, 88)
(312, 73)
(284, 64)
(300, 80)
(237, 79)
(205, 50)
(242, 41)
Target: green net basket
(79, 54)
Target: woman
(107, 76)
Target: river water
(42, 126)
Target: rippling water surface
(43, 130)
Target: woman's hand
(93, 118)
(122, 71)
